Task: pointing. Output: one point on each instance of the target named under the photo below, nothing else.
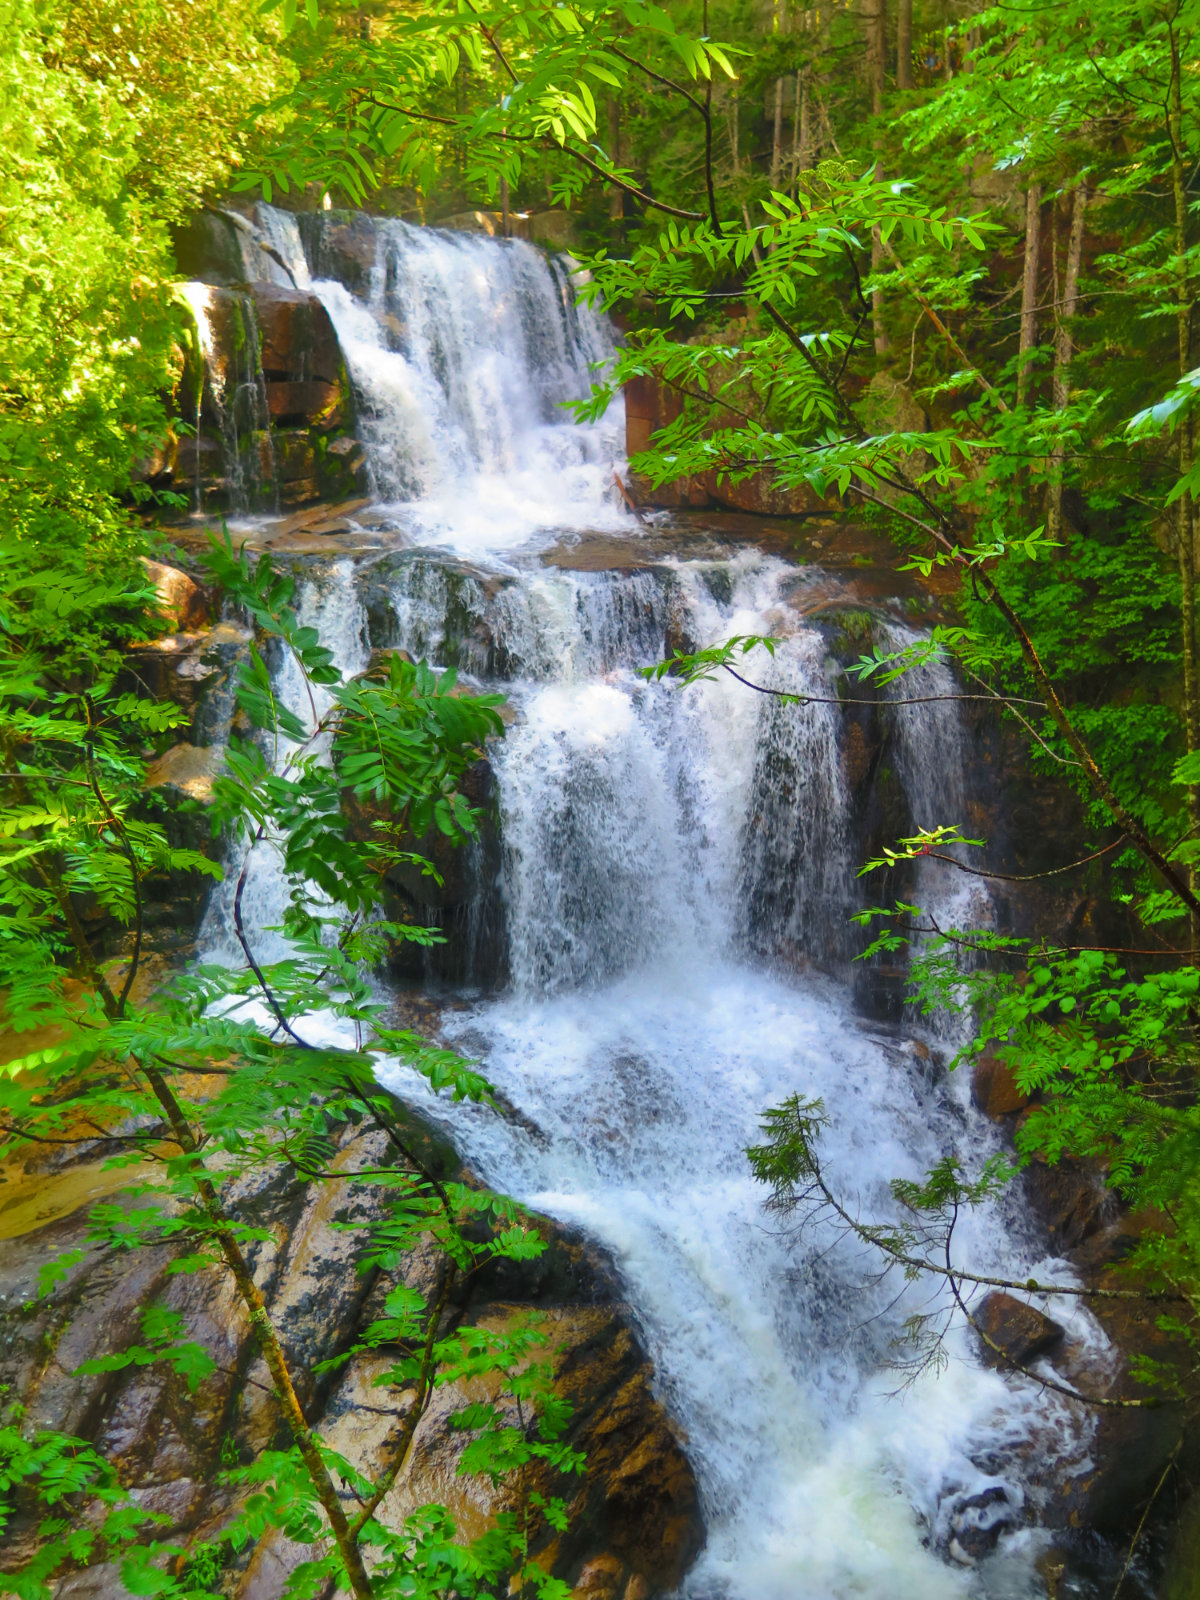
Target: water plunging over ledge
(669, 862)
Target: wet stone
(1022, 1332)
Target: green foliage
(85, 1515)
(402, 740)
(88, 321)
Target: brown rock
(343, 245)
(554, 230)
(453, 864)
(1071, 1200)
(634, 1518)
(297, 342)
(348, 453)
(180, 600)
(197, 458)
(308, 400)
(488, 222)
(209, 249)
(187, 768)
(601, 1579)
(160, 462)
(859, 755)
(994, 1088)
(1022, 1332)
(649, 405)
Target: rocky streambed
(634, 1514)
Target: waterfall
(231, 389)
(328, 602)
(463, 350)
(279, 232)
(261, 262)
(675, 875)
(932, 758)
(656, 841)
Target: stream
(657, 949)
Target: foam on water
(463, 350)
(656, 841)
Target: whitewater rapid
(674, 888)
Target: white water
(331, 607)
(644, 1040)
(280, 230)
(462, 351)
(638, 1038)
(664, 850)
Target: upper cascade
(456, 358)
(464, 351)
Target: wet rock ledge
(634, 1515)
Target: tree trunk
(802, 129)
(874, 15)
(874, 19)
(777, 135)
(904, 77)
(1029, 285)
(1185, 535)
(780, 26)
(616, 197)
(1064, 347)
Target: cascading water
(230, 387)
(654, 839)
(675, 865)
(463, 350)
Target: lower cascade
(654, 952)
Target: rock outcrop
(272, 402)
(634, 1517)
(1014, 1331)
(650, 405)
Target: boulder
(994, 1088)
(348, 453)
(342, 245)
(297, 342)
(634, 1513)
(223, 247)
(186, 771)
(1022, 1331)
(180, 600)
(208, 249)
(158, 464)
(1072, 1201)
(274, 392)
(489, 222)
(306, 402)
(555, 230)
(977, 1521)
